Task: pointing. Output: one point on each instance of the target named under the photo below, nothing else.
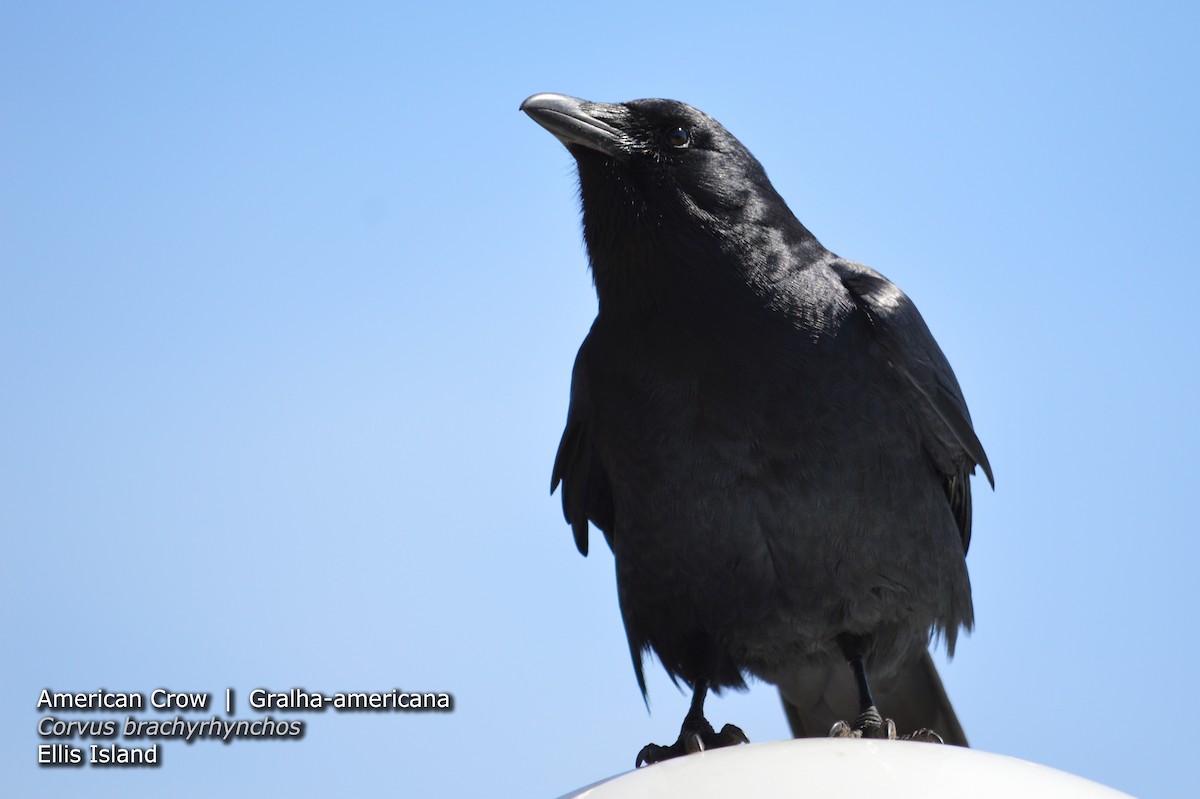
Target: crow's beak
(578, 122)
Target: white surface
(816, 768)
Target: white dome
(839, 767)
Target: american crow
(767, 435)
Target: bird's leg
(695, 735)
(870, 724)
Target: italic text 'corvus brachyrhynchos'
(768, 436)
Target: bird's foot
(694, 736)
(870, 724)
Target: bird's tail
(816, 697)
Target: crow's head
(663, 180)
(662, 152)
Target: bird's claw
(841, 729)
(870, 724)
(692, 739)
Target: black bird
(772, 443)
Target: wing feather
(911, 350)
(586, 491)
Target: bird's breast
(754, 488)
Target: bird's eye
(679, 138)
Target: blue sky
(289, 296)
